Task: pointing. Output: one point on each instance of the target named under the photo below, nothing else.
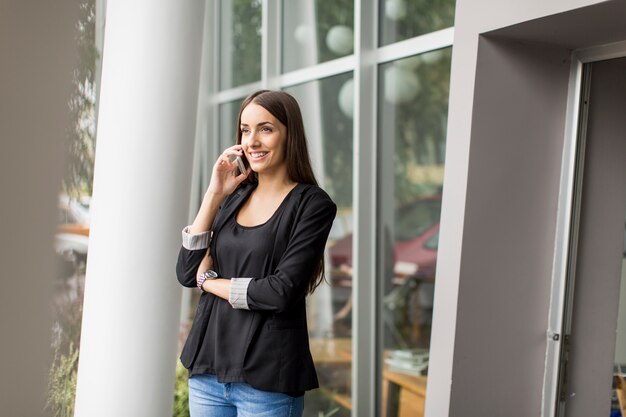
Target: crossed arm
(219, 287)
(289, 280)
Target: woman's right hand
(224, 179)
(223, 182)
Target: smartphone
(242, 164)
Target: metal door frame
(565, 254)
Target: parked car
(73, 216)
(415, 247)
(72, 235)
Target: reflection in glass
(316, 31)
(327, 110)
(404, 19)
(618, 401)
(228, 119)
(240, 42)
(412, 130)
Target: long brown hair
(285, 108)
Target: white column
(146, 128)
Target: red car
(415, 249)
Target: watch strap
(208, 274)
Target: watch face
(210, 274)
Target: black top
(266, 346)
(252, 248)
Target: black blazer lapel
(231, 205)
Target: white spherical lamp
(303, 34)
(401, 86)
(346, 98)
(395, 9)
(340, 39)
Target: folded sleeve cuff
(197, 241)
(238, 297)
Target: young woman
(255, 250)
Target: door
(593, 349)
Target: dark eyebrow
(260, 124)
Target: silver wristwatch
(208, 274)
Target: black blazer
(277, 354)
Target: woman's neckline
(278, 209)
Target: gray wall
(510, 68)
(37, 52)
(510, 218)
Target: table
(334, 353)
(403, 394)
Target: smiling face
(263, 140)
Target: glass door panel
(316, 31)
(404, 19)
(240, 42)
(326, 106)
(413, 107)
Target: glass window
(240, 42)
(404, 19)
(316, 31)
(228, 119)
(327, 110)
(412, 131)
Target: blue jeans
(210, 398)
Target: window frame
(367, 178)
